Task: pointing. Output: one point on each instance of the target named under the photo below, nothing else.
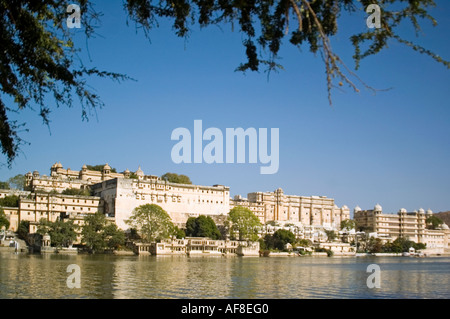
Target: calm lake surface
(109, 276)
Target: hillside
(445, 216)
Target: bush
(9, 201)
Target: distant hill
(445, 216)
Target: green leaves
(151, 222)
(99, 234)
(4, 222)
(176, 178)
(39, 65)
(244, 223)
(202, 226)
(62, 233)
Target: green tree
(99, 168)
(9, 201)
(348, 224)
(17, 182)
(98, 234)
(179, 233)
(62, 233)
(202, 226)
(152, 222)
(4, 185)
(331, 235)
(243, 222)
(176, 178)
(114, 237)
(23, 230)
(4, 222)
(279, 239)
(41, 64)
(374, 245)
(433, 222)
(76, 191)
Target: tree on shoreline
(98, 234)
(62, 233)
(202, 226)
(151, 222)
(4, 222)
(279, 239)
(243, 222)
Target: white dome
(140, 172)
(403, 210)
(429, 212)
(421, 211)
(444, 226)
(378, 208)
(357, 209)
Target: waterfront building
(181, 201)
(33, 207)
(409, 225)
(61, 179)
(118, 194)
(319, 211)
(53, 207)
(199, 246)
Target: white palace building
(118, 194)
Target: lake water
(109, 276)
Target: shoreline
(129, 253)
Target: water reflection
(107, 276)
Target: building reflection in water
(109, 276)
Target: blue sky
(390, 148)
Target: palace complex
(118, 194)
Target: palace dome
(378, 208)
(140, 172)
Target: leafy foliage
(202, 226)
(9, 201)
(23, 229)
(15, 182)
(151, 222)
(76, 191)
(399, 245)
(99, 168)
(39, 65)
(62, 233)
(348, 224)
(4, 222)
(279, 239)
(176, 178)
(433, 222)
(265, 24)
(98, 234)
(244, 223)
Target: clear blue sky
(390, 148)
